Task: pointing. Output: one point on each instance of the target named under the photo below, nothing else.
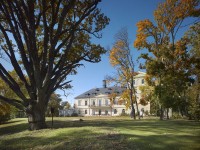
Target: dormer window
(107, 92)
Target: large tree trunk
(138, 112)
(132, 115)
(36, 117)
(161, 113)
(167, 113)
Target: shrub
(124, 114)
(74, 114)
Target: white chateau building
(96, 101)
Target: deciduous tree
(121, 59)
(193, 95)
(45, 41)
(169, 59)
(54, 103)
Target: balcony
(100, 105)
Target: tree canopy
(121, 59)
(45, 41)
(168, 59)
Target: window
(106, 102)
(99, 111)
(93, 102)
(115, 111)
(99, 102)
(79, 112)
(79, 103)
(115, 102)
(142, 81)
(86, 111)
(133, 82)
(123, 111)
(85, 103)
(93, 112)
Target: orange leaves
(180, 48)
(143, 101)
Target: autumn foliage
(169, 60)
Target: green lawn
(102, 133)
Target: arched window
(115, 111)
(86, 111)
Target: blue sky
(122, 13)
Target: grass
(102, 133)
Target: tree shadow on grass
(10, 122)
(84, 139)
(13, 129)
(141, 125)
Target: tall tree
(121, 59)
(169, 59)
(193, 95)
(46, 40)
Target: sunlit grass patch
(102, 133)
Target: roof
(99, 91)
(106, 91)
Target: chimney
(104, 84)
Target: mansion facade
(96, 102)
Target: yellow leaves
(144, 24)
(146, 94)
(117, 53)
(170, 13)
(140, 41)
(125, 97)
(145, 27)
(112, 97)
